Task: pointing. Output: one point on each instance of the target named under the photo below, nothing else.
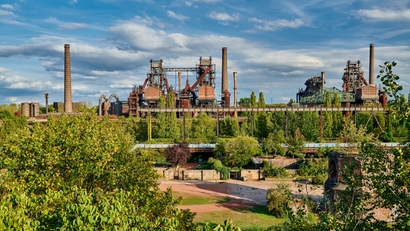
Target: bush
(219, 167)
(278, 200)
(315, 169)
(272, 171)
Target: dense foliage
(278, 200)
(178, 154)
(77, 173)
(238, 151)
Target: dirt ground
(242, 194)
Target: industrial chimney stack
(234, 90)
(68, 98)
(323, 81)
(224, 70)
(371, 66)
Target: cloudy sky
(273, 45)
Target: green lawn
(189, 199)
(254, 219)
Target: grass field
(188, 199)
(254, 219)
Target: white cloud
(66, 25)
(224, 16)
(4, 13)
(269, 25)
(171, 14)
(388, 15)
(7, 6)
(144, 38)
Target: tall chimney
(371, 65)
(46, 95)
(224, 69)
(179, 81)
(234, 90)
(68, 98)
(323, 80)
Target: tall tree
(238, 151)
(174, 128)
(253, 100)
(161, 126)
(203, 127)
(261, 100)
(229, 127)
(337, 115)
(327, 124)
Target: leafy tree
(263, 125)
(308, 123)
(278, 200)
(273, 143)
(77, 173)
(244, 102)
(161, 126)
(327, 125)
(174, 128)
(178, 154)
(261, 100)
(11, 124)
(253, 100)
(296, 144)
(203, 127)
(337, 116)
(229, 127)
(238, 151)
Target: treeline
(166, 127)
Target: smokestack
(371, 65)
(68, 98)
(46, 95)
(323, 80)
(179, 81)
(234, 89)
(224, 69)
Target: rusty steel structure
(355, 87)
(200, 94)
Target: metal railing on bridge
(307, 145)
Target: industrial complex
(202, 94)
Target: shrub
(314, 168)
(278, 200)
(272, 171)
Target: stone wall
(199, 175)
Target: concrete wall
(252, 174)
(199, 175)
(249, 174)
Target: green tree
(173, 127)
(279, 200)
(261, 100)
(238, 151)
(296, 144)
(253, 100)
(327, 125)
(273, 143)
(161, 125)
(203, 128)
(337, 116)
(78, 173)
(229, 127)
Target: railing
(307, 145)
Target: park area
(241, 201)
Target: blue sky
(274, 46)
